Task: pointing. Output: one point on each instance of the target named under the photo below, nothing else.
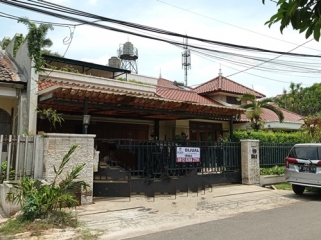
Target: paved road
(224, 212)
(298, 221)
(123, 218)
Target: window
(5, 122)
(305, 153)
(5, 126)
(233, 100)
(201, 131)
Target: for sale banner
(188, 154)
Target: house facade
(110, 104)
(124, 105)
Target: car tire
(297, 189)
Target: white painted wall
(26, 73)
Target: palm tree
(255, 107)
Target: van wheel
(298, 189)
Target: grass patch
(90, 234)
(287, 186)
(38, 226)
(283, 186)
(313, 189)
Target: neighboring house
(227, 92)
(12, 94)
(21, 103)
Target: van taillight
(319, 163)
(290, 160)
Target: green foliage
(270, 137)
(3, 173)
(133, 81)
(302, 15)
(19, 225)
(48, 52)
(303, 101)
(312, 128)
(5, 43)
(17, 43)
(51, 115)
(283, 186)
(36, 41)
(138, 82)
(276, 170)
(91, 234)
(313, 189)
(254, 110)
(39, 200)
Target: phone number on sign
(187, 159)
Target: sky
(230, 21)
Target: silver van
(303, 166)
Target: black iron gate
(134, 166)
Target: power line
(13, 17)
(232, 25)
(20, 4)
(268, 60)
(179, 44)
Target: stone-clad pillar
(56, 146)
(250, 161)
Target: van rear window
(311, 153)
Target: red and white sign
(188, 154)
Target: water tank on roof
(128, 48)
(114, 62)
(127, 51)
(128, 55)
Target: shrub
(3, 172)
(39, 200)
(276, 170)
(269, 137)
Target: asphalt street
(297, 221)
(138, 216)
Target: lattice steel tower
(186, 59)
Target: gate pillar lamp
(248, 130)
(86, 122)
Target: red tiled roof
(167, 89)
(6, 73)
(269, 116)
(223, 84)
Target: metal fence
(158, 158)
(16, 157)
(272, 154)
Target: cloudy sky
(230, 21)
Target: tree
(37, 40)
(303, 101)
(303, 15)
(311, 128)
(290, 100)
(255, 109)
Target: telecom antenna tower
(186, 59)
(128, 56)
